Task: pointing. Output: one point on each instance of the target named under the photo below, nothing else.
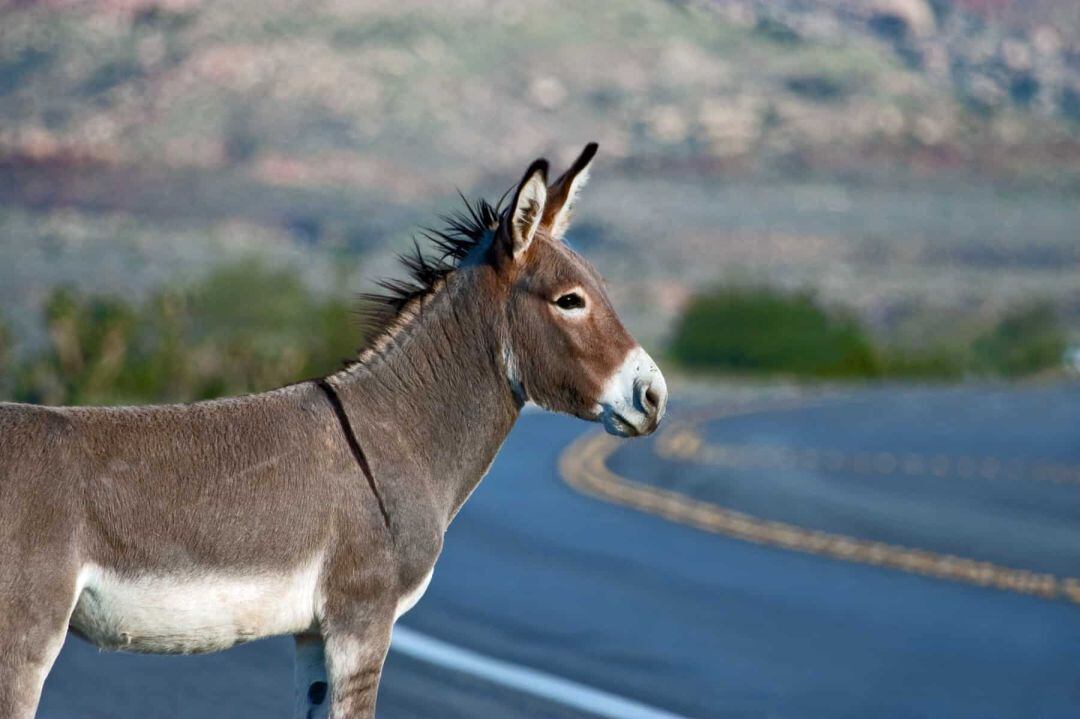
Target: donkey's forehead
(556, 262)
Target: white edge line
(413, 644)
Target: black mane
(464, 230)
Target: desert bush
(935, 363)
(245, 328)
(1028, 339)
(764, 331)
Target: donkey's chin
(621, 426)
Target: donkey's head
(566, 348)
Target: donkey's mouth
(619, 425)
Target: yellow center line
(583, 466)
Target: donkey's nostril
(652, 398)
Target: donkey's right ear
(528, 209)
(563, 193)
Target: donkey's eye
(570, 301)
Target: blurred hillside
(895, 154)
(387, 95)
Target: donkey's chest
(156, 613)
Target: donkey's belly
(164, 614)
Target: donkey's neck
(430, 401)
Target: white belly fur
(409, 601)
(205, 613)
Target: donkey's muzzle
(635, 397)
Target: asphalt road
(703, 624)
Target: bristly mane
(465, 229)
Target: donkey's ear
(564, 191)
(528, 208)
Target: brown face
(567, 350)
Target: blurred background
(850, 230)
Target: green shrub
(90, 347)
(933, 363)
(763, 331)
(1027, 340)
(245, 328)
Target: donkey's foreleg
(34, 615)
(355, 651)
(312, 687)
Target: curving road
(557, 584)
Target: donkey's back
(206, 482)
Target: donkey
(317, 509)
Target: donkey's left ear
(528, 208)
(564, 191)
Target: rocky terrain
(890, 153)
(991, 53)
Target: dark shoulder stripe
(354, 445)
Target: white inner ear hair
(530, 207)
(562, 218)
